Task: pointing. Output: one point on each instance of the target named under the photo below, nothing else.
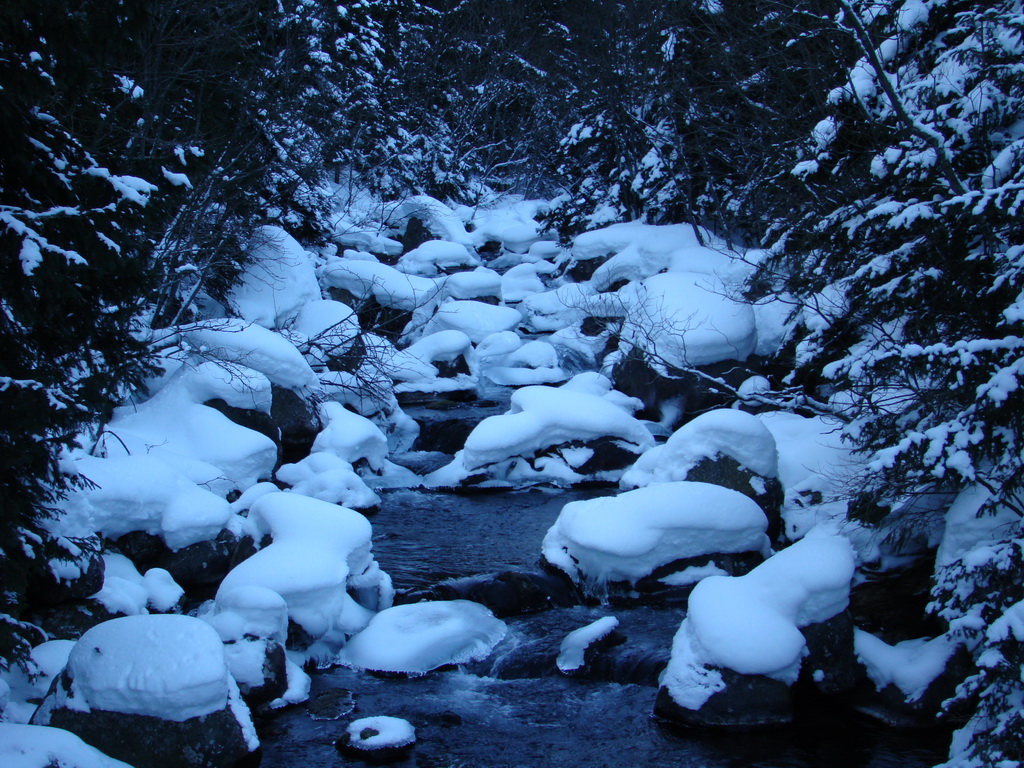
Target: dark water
(515, 709)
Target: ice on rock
(351, 437)
(417, 638)
(142, 493)
(751, 624)
(474, 318)
(686, 319)
(329, 328)
(435, 257)
(277, 281)
(39, 746)
(166, 666)
(722, 432)
(627, 537)
(329, 478)
(540, 417)
(573, 650)
(318, 551)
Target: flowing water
(515, 709)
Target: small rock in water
(331, 705)
(377, 740)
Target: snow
(572, 652)
(535, 362)
(38, 746)
(127, 591)
(626, 537)
(435, 257)
(25, 691)
(277, 281)
(328, 327)
(370, 279)
(721, 432)
(248, 610)
(317, 550)
(166, 666)
(441, 220)
(350, 437)
(965, 529)
(416, 638)
(685, 319)
(236, 341)
(911, 665)
(751, 624)
(478, 284)
(524, 280)
(141, 493)
(474, 318)
(380, 732)
(328, 477)
(541, 416)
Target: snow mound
(525, 280)
(142, 493)
(249, 610)
(350, 437)
(441, 220)
(47, 661)
(751, 624)
(535, 362)
(327, 328)
(626, 537)
(380, 732)
(165, 666)
(128, 592)
(573, 650)
(387, 285)
(478, 284)
(685, 319)
(474, 318)
(540, 417)
(329, 478)
(277, 281)
(723, 432)
(319, 550)
(40, 746)
(911, 665)
(236, 341)
(435, 257)
(415, 639)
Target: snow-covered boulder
(154, 691)
(277, 280)
(685, 319)
(724, 447)
(326, 330)
(378, 740)
(535, 362)
(351, 437)
(142, 493)
(127, 592)
(482, 284)
(743, 641)
(24, 690)
(474, 318)
(581, 643)
(525, 280)
(441, 220)
(39, 746)
(319, 558)
(552, 434)
(436, 257)
(417, 638)
(669, 532)
(330, 478)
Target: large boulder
(153, 691)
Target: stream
(515, 709)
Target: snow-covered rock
(441, 220)
(572, 653)
(524, 280)
(481, 283)
(437, 256)
(277, 281)
(39, 746)
(327, 329)
(750, 626)
(631, 536)
(330, 478)
(387, 285)
(350, 437)
(154, 691)
(25, 691)
(685, 319)
(319, 552)
(126, 591)
(417, 638)
(379, 740)
(473, 318)
(142, 493)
